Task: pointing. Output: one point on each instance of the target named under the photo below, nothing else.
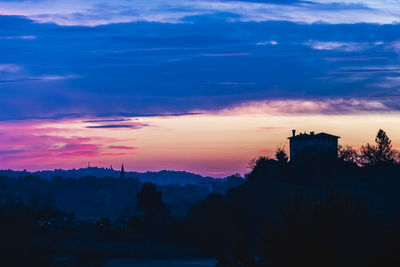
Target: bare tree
(348, 154)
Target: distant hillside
(98, 192)
(164, 177)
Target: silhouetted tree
(281, 156)
(150, 201)
(347, 154)
(156, 215)
(380, 154)
(263, 169)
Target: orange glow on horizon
(216, 144)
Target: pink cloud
(53, 130)
(122, 147)
(31, 145)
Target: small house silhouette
(321, 144)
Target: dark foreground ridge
(315, 211)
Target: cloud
(106, 120)
(308, 12)
(83, 115)
(278, 2)
(165, 114)
(339, 46)
(122, 147)
(310, 107)
(115, 126)
(44, 146)
(390, 82)
(112, 126)
(227, 55)
(15, 73)
(36, 144)
(22, 37)
(132, 69)
(372, 69)
(272, 42)
(56, 77)
(10, 68)
(395, 45)
(96, 12)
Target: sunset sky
(196, 85)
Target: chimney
(293, 133)
(312, 133)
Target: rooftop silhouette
(320, 144)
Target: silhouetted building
(306, 145)
(122, 175)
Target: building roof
(303, 136)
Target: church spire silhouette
(122, 175)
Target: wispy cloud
(304, 107)
(106, 120)
(21, 37)
(14, 73)
(338, 46)
(123, 147)
(395, 45)
(272, 42)
(390, 82)
(10, 68)
(227, 55)
(113, 126)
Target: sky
(196, 85)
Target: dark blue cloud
(106, 120)
(207, 63)
(114, 126)
(111, 126)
